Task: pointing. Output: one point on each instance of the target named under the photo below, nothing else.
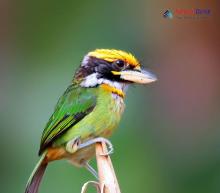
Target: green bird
(89, 110)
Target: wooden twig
(107, 178)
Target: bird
(89, 110)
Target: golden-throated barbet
(89, 110)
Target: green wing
(73, 106)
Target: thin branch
(107, 178)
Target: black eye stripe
(103, 68)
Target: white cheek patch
(90, 81)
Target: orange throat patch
(113, 90)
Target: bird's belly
(111, 116)
(107, 116)
(81, 157)
(99, 123)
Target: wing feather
(73, 106)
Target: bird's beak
(137, 76)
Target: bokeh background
(169, 137)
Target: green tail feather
(36, 176)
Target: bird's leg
(91, 170)
(94, 183)
(98, 140)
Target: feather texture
(72, 107)
(36, 176)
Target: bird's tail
(36, 176)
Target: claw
(110, 147)
(96, 140)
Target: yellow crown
(112, 55)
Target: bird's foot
(72, 145)
(98, 140)
(75, 144)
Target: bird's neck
(116, 88)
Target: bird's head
(114, 67)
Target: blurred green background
(169, 138)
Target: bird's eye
(120, 63)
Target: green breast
(102, 121)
